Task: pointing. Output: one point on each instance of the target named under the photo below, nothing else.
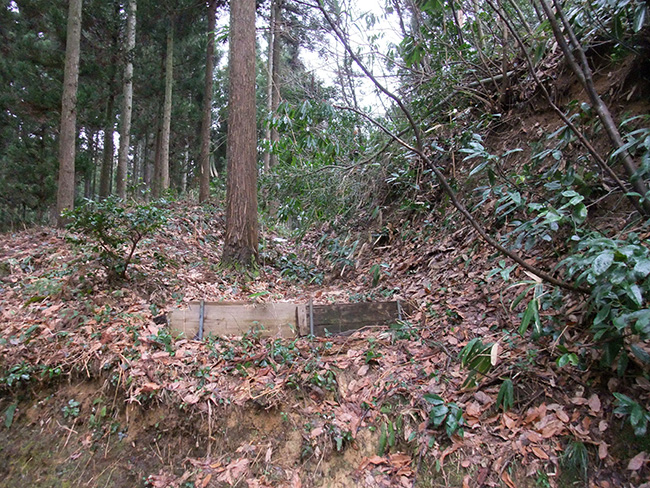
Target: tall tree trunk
(145, 163)
(167, 110)
(127, 103)
(109, 144)
(241, 238)
(93, 190)
(108, 159)
(68, 131)
(206, 122)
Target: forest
(484, 165)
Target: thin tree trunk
(93, 191)
(167, 111)
(108, 158)
(206, 122)
(148, 164)
(275, 78)
(269, 86)
(241, 239)
(156, 185)
(127, 106)
(109, 144)
(137, 163)
(90, 170)
(186, 166)
(68, 130)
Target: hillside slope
(94, 393)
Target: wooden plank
(236, 319)
(302, 319)
(343, 317)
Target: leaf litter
(333, 411)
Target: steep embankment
(94, 393)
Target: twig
(69, 429)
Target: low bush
(112, 229)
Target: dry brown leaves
(57, 312)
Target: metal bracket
(201, 319)
(311, 317)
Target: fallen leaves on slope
(59, 318)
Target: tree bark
(68, 130)
(167, 111)
(108, 158)
(127, 104)
(241, 239)
(89, 175)
(206, 122)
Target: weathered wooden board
(236, 319)
(282, 319)
(344, 317)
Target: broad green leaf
(623, 403)
(516, 197)
(437, 415)
(478, 168)
(433, 399)
(642, 325)
(636, 414)
(569, 358)
(452, 425)
(639, 17)
(529, 314)
(580, 215)
(505, 398)
(640, 353)
(634, 292)
(642, 267)
(520, 297)
(9, 414)
(602, 262)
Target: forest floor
(95, 393)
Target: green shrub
(639, 417)
(113, 228)
(618, 274)
(443, 414)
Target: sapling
(113, 228)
